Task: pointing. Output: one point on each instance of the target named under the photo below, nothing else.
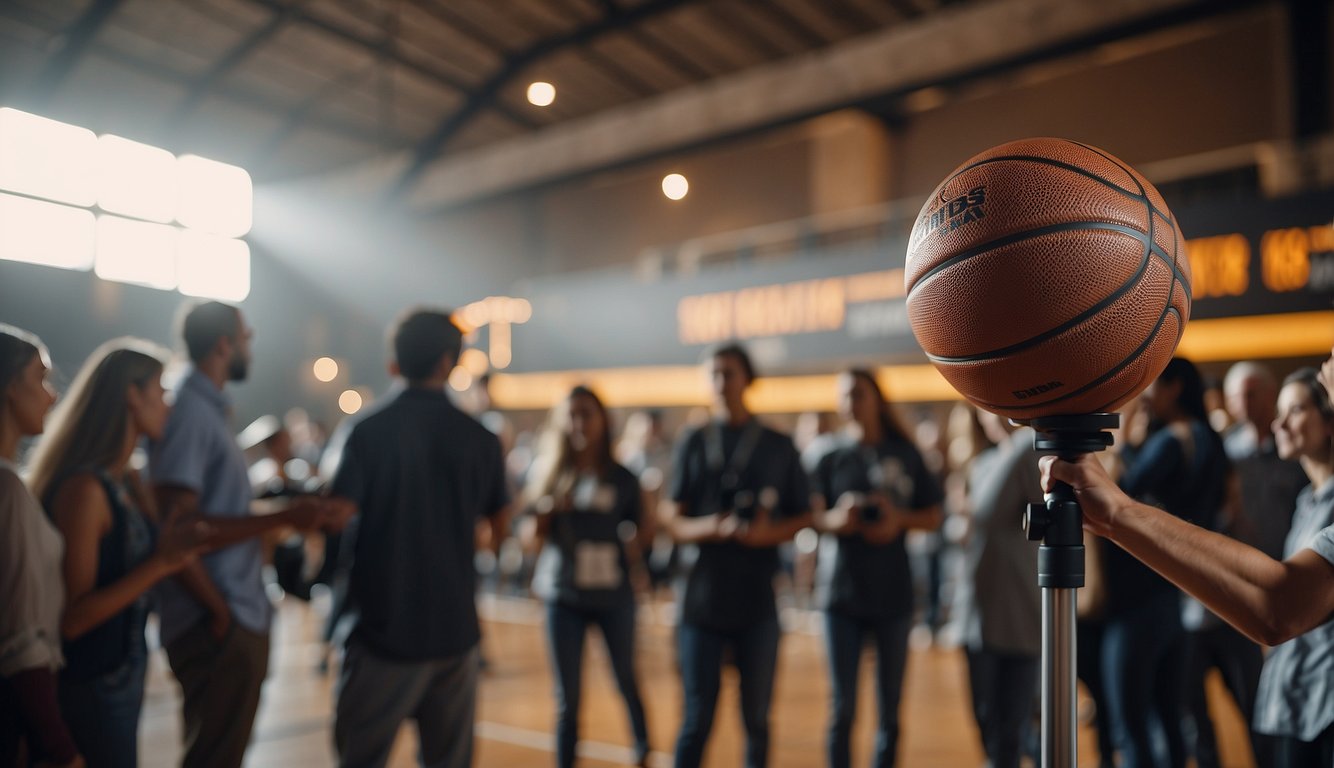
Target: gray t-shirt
(1296, 696)
(999, 597)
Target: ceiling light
(675, 186)
(541, 94)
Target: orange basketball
(1045, 277)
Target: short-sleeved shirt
(1296, 694)
(855, 577)
(998, 597)
(199, 453)
(583, 563)
(32, 583)
(1191, 487)
(729, 586)
(422, 473)
(1269, 488)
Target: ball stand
(1058, 524)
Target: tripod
(1058, 524)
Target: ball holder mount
(1058, 524)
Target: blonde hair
(87, 430)
(553, 468)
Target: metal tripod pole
(1058, 524)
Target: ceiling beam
(72, 44)
(952, 45)
(487, 94)
(233, 58)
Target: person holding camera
(868, 493)
(738, 492)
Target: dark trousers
(845, 637)
(566, 629)
(1143, 669)
(376, 694)
(754, 651)
(1238, 660)
(1003, 686)
(103, 713)
(1088, 667)
(220, 685)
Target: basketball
(1046, 277)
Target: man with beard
(215, 616)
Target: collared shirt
(422, 473)
(1296, 696)
(32, 585)
(198, 452)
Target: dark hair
(734, 350)
(421, 339)
(203, 324)
(1191, 397)
(17, 348)
(1309, 378)
(889, 423)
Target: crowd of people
(1204, 546)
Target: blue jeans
(845, 637)
(566, 629)
(1143, 669)
(103, 713)
(1004, 687)
(754, 651)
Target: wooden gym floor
(515, 712)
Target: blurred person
(737, 492)
(1181, 467)
(32, 589)
(215, 615)
(586, 517)
(1285, 603)
(645, 450)
(868, 493)
(115, 551)
(1215, 404)
(420, 473)
(814, 435)
(998, 603)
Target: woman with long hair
(31, 593)
(1182, 468)
(868, 493)
(586, 518)
(114, 553)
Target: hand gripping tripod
(1058, 524)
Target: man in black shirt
(739, 492)
(422, 473)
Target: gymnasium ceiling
(432, 92)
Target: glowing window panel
(214, 197)
(135, 179)
(136, 252)
(38, 232)
(213, 267)
(46, 158)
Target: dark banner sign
(846, 303)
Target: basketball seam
(1033, 341)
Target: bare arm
(175, 500)
(1268, 600)
(83, 515)
(688, 530)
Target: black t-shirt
(421, 473)
(583, 562)
(729, 586)
(857, 578)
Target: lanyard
(729, 474)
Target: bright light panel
(214, 197)
(46, 158)
(136, 179)
(38, 232)
(136, 252)
(213, 267)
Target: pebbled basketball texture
(1045, 277)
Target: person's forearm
(782, 530)
(230, 530)
(1247, 588)
(92, 609)
(692, 530)
(928, 519)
